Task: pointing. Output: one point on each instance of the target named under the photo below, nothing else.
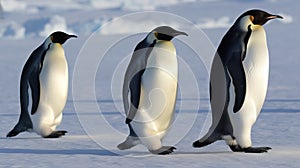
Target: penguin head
(256, 17)
(60, 37)
(166, 33)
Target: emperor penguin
(238, 83)
(44, 88)
(150, 89)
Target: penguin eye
(51, 38)
(252, 18)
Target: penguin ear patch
(252, 18)
(155, 34)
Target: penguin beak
(67, 37)
(274, 17)
(179, 33)
(70, 36)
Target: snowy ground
(94, 114)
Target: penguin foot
(257, 149)
(56, 134)
(237, 148)
(165, 150)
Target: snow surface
(97, 60)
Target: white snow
(223, 22)
(13, 30)
(56, 23)
(14, 5)
(108, 32)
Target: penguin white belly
(256, 66)
(54, 90)
(158, 92)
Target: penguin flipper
(30, 76)
(34, 83)
(135, 93)
(237, 73)
(34, 80)
(133, 77)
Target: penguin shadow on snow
(100, 152)
(175, 153)
(201, 152)
(18, 138)
(287, 106)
